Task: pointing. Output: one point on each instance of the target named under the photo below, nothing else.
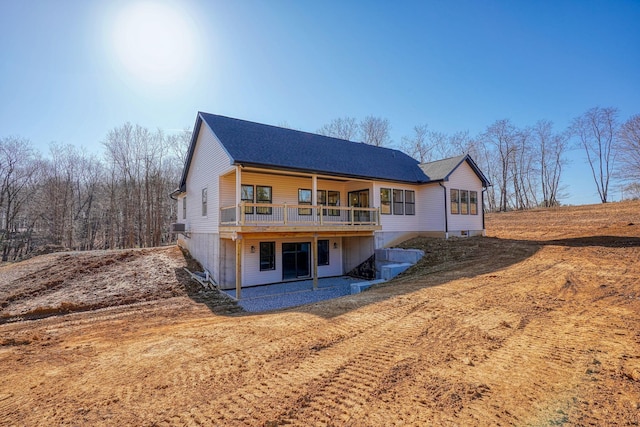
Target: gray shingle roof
(255, 144)
(441, 169)
(250, 143)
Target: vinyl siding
(284, 189)
(251, 274)
(463, 178)
(394, 223)
(209, 160)
(228, 190)
(205, 247)
(428, 218)
(208, 163)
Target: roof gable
(440, 170)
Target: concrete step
(397, 255)
(389, 271)
(356, 288)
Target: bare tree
(500, 138)
(342, 127)
(631, 191)
(18, 168)
(142, 172)
(523, 171)
(487, 160)
(551, 148)
(439, 143)
(417, 145)
(178, 145)
(596, 130)
(461, 143)
(375, 131)
(629, 147)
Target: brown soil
(537, 324)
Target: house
(260, 204)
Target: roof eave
(323, 172)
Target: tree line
(77, 200)
(524, 164)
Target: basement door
(296, 260)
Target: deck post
(240, 209)
(314, 195)
(285, 214)
(238, 266)
(314, 251)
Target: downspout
(446, 219)
(484, 228)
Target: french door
(360, 199)
(296, 260)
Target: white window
(204, 201)
(398, 202)
(473, 200)
(385, 201)
(409, 202)
(455, 201)
(464, 202)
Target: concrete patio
(290, 294)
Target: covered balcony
(261, 217)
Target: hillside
(69, 282)
(536, 324)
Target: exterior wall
(427, 221)
(205, 247)
(203, 242)
(227, 263)
(251, 274)
(209, 161)
(404, 222)
(464, 178)
(227, 190)
(433, 205)
(356, 250)
(284, 188)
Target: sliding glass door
(296, 260)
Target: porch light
(335, 245)
(253, 249)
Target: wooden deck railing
(263, 214)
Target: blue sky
(66, 75)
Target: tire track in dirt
(10, 406)
(334, 364)
(227, 371)
(341, 395)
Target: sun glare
(154, 42)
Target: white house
(260, 204)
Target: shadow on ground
(448, 260)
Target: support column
(238, 266)
(239, 210)
(314, 251)
(314, 194)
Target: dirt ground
(536, 324)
